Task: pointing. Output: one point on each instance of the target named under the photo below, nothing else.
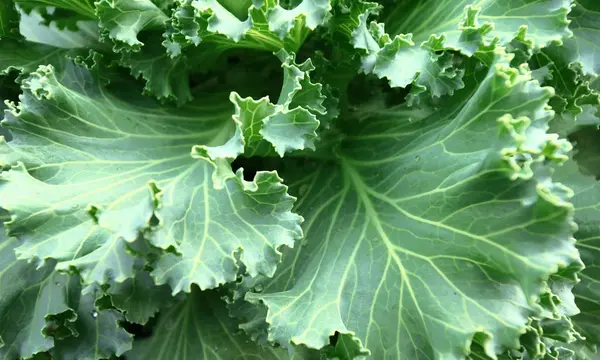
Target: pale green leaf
(400, 61)
(407, 51)
(253, 218)
(122, 20)
(222, 21)
(544, 21)
(585, 24)
(98, 165)
(291, 123)
(312, 12)
(432, 229)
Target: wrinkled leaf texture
(310, 179)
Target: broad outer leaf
(585, 24)
(98, 166)
(544, 21)
(199, 328)
(587, 212)
(28, 295)
(432, 229)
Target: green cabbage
(299, 179)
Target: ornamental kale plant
(300, 179)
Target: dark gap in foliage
(121, 82)
(364, 89)
(252, 165)
(141, 331)
(233, 60)
(154, 221)
(165, 5)
(203, 82)
(480, 339)
(265, 78)
(316, 45)
(249, 73)
(42, 356)
(249, 165)
(361, 84)
(9, 90)
(333, 339)
(396, 96)
(289, 4)
(104, 302)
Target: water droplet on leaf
(94, 314)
